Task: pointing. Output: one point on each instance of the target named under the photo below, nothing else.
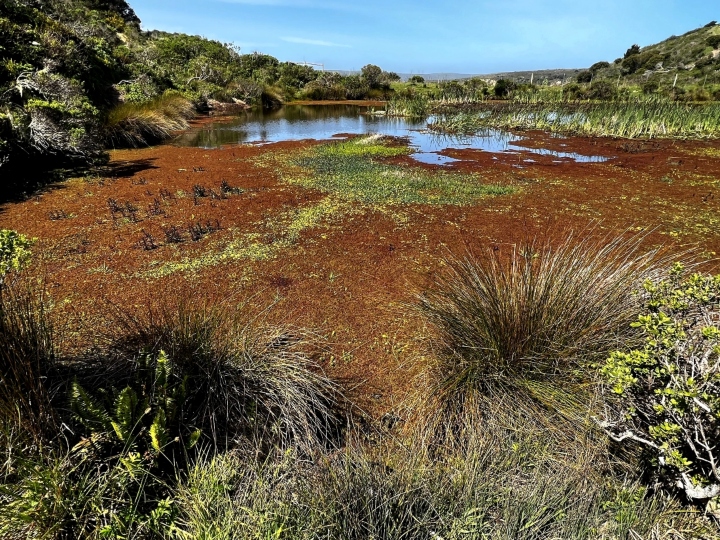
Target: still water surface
(299, 122)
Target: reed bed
(642, 119)
(413, 106)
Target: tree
(372, 75)
(635, 49)
(416, 79)
(390, 76)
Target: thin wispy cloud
(318, 42)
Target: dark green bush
(650, 87)
(603, 90)
(503, 88)
(584, 77)
(597, 66)
(573, 91)
(633, 50)
(714, 41)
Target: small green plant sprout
(665, 393)
(14, 252)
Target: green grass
(357, 170)
(653, 118)
(509, 483)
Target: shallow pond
(322, 122)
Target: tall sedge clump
(664, 394)
(529, 322)
(245, 384)
(26, 343)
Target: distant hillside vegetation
(681, 64)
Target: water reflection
(299, 122)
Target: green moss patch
(357, 170)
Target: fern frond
(89, 412)
(158, 431)
(125, 411)
(162, 370)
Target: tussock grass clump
(27, 357)
(246, 384)
(140, 124)
(529, 322)
(355, 170)
(130, 416)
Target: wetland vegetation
(252, 334)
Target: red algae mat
(165, 223)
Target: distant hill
(426, 76)
(538, 76)
(693, 57)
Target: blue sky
(460, 36)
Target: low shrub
(666, 390)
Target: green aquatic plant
(358, 170)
